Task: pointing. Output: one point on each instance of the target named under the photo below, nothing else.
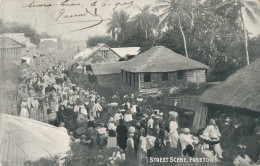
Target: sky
(55, 17)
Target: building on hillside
(98, 54)
(80, 66)
(160, 67)
(13, 45)
(48, 45)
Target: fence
(9, 102)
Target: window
(147, 77)
(88, 68)
(104, 53)
(130, 78)
(134, 79)
(125, 77)
(164, 76)
(180, 74)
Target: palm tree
(172, 12)
(118, 25)
(146, 20)
(236, 10)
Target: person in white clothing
(150, 123)
(186, 138)
(97, 108)
(24, 112)
(76, 108)
(133, 108)
(212, 132)
(111, 140)
(173, 133)
(118, 116)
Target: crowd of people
(124, 122)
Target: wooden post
(139, 82)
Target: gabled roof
(161, 59)
(123, 51)
(241, 89)
(18, 37)
(88, 52)
(106, 68)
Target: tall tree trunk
(183, 36)
(146, 35)
(245, 35)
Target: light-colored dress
(24, 113)
(111, 140)
(142, 159)
(173, 134)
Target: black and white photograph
(129, 82)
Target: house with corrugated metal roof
(160, 67)
(80, 70)
(13, 45)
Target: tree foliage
(21, 28)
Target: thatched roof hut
(160, 67)
(161, 59)
(241, 90)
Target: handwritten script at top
(78, 11)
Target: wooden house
(13, 45)
(160, 67)
(98, 54)
(107, 75)
(80, 67)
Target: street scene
(129, 83)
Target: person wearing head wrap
(130, 149)
(187, 139)
(212, 132)
(111, 140)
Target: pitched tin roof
(87, 53)
(123, 51)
